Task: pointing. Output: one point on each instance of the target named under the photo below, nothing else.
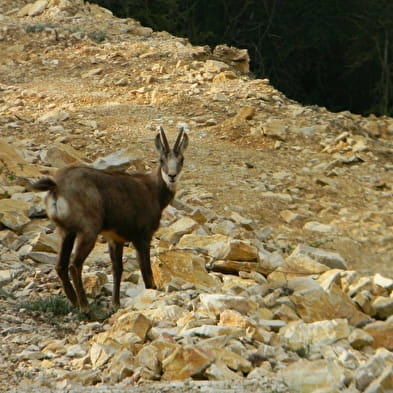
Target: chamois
(84, 202)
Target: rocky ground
(274, 261)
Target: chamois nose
(172, 178)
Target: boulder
(176, 230)
(314, 376)
(215, 303)
(14, 214)
(186, 362)
(60, 155)
(298, 335)
(182, 265)
(13, 165)
(382, 332)
(220, 247)
(118, 161)
(330, 259)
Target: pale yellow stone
(94, 283)
(297, 334)
(185, 362)
(184, 265)
(314, 376)
(134, 322)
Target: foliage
(97, 36)
(5, 294)
(57, 306)
(333, 53)
(38, 28)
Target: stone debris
(273, 263)
(300, 324)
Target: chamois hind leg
(142, 247)
(66, 244)
(84, 244)
(116, 254)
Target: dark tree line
(333, 53)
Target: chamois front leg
(143, 255)
(116, 254)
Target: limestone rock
(35, 200)
(219, 371)
(215, 66)
(237, 58)
(213, 331)
(317, 376)
(276, 128)
(217, 303)
(234, 318)
(298, 335)
(43, 257)
(235, 250)
(315, 303)
(369, 371)
(382, 331)
(133, 322)
(185, 362)
(234, 267)
(118, 161)
(384, 383)
(232, 359)
(299, 265)
(120, 366)
(94, 283)
(184, 265)
(383, 306)
(60, 155)
(12, 164)
(220, 247)
(44, 242)
(101, 353)
(330, 259)
(147, 357)
(383, 282)
(53, 117)
(33, 9)
(315, 226)
(14, 214)
(175, 231)
(358, 339)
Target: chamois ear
(181, 142)
(161, 142)
(158, 144)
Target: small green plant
(37, 28)
(100, 313)
(97, 36)
(303, 352)
(4, 169)
(315, 244)
(56, 305)
(5, 294)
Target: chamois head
(171, 160)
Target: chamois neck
(165, 193)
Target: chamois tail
(44, 184)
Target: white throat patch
(168, 181)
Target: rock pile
(226, 309)
(273, 263)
